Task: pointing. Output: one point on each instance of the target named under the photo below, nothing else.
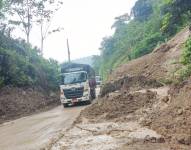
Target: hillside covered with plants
(21, 64)
(151, 23)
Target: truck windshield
(75, 77)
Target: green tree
(153, 22)
(186, 55)
(176, 13)
(142, 10)
(25, 11)
(45, 14)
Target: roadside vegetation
(21, 64)
(184, 72)
(151, 23)
(29, 83)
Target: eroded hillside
(137, 110)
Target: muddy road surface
(33, 132)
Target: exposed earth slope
(17, 102)
(137, 110)
(159, 64)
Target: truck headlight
(86, 95)
(86, 90)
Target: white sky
(85, 23)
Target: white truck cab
(75, 86)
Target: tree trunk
(28, 38)
(42, 45)
(28, 22)
(42, 39)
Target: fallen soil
(158, 65)
(129, 83)
(117, 105)
(144, 119)
(153, 70)
(112, 123)
(137, 111)
(17, 102)
(174, 122)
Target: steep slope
(160, 64)
(132, 98)
(153, 22)
(18, 102)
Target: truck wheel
(89, 102)
(65, 105)
(93, 94)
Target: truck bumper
(76, 100)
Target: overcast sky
(85, 23)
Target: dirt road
(33, 132)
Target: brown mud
(18, 102)
(137, 110)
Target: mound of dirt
(17, 102)
(129, 83)
(174, 122)
(168, 112)
(117, 106)
(158, 65)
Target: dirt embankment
(164, 110)
(117, 107)
(136, 109)
(174, 122)
(134, 93)
(18, 102)
(129, 83)
(158, 65)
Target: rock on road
(33, 132)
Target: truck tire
(89, 102)
(93, 94)
(65, 105)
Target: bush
(185, 71)
(186, 56)
(21, 65)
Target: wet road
(33, 132)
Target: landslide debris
(17, 102)
(129, 83)
(174, 122)
(158, 65)
(133, 93)
(123, 100)
(114, 107)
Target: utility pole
(68, 51)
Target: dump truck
(78, 84)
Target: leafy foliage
(185, 71)
(186, 56)
(176, 14)
(142, 10)
(153, 22)
(21, 65)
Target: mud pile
(114, 107)
(158, 65)
(132, 95)
(129, 83)
(174, 122)
(17, 102)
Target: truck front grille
(74, 92)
